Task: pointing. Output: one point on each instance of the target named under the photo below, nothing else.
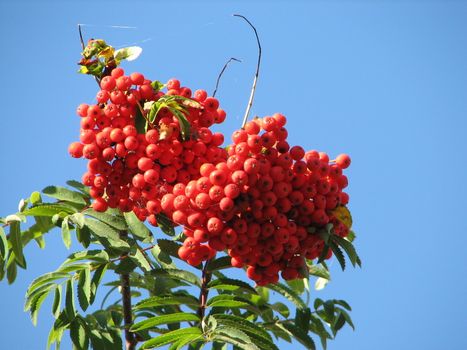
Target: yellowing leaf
(342, 214)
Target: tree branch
(255, 80)
(203, 295)
(127, 307)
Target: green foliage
(173, 306)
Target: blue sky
(384, 81)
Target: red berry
(343, 161)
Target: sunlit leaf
(64, 194)
(165, 319)
(128, 53)
(170, 337)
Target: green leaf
(84, 288)
(221, 263)
(16, 244)
(167, 300)
(96, 255)
(140, 122)
(31, 296)
(229, 301)
(165, 319)
(234, 336)
(351, 236)
(66, 236)
(83, 235)
(288, 293)
(231, 285)
(127, 53)
(162, 257)
(69, 300)
(349, 249)
(263, 293)
(301, 336)
(78, 219)
(125, 266)
(78, 335)
(329, 311)
(169, 247)
(302, 318)
(57, 301)
(157, 85)
(177, 275)
(297, 285)
(347, 318)
(137, 227)
(3, 245)
(95, 281)
(339, 322)
(64, 194)
(106, 234)
(11, 270)
(318, 328)
(36, 303)
(35, 197)
(165, 224)
(79, 186)
(44, 279)
(342, 303)
(281, 308)
(185, 340)
(170, 337)
(184, 124)
(140, 259)
(117, 222)
(258, 334)
(48, 210)
(319, 271)
(338, 254)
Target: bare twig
(81, 36)
(253, 89)
(222, 72)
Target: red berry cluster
(260, 199)
(260, 203)
(132, 171)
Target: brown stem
(127, 307)
(222, 72)
(81, 37)
(255, 80)
(203, 295)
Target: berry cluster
(261, 203)
(130, 170)
(259, 199)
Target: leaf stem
(255, 80)
(222, 72)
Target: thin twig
(253, 89)
(81, 37)
(222, 72)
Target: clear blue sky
(385, 81)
